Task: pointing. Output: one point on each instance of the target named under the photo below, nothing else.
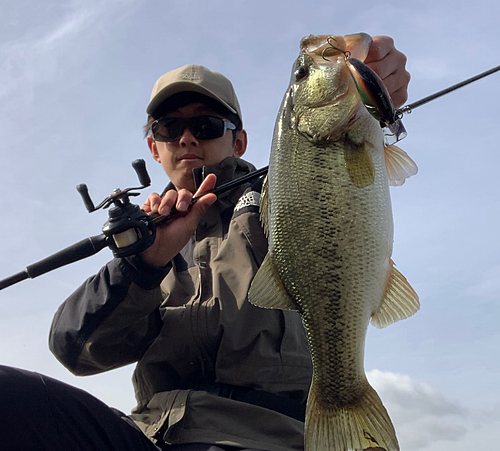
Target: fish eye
(301, 73)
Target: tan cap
(195, 79)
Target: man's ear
(153, 149)
(240, 145)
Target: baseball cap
(192, 78)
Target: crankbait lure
(374, 96)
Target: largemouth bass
(326, 209)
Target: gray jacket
(191, 330)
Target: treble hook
(331, 39)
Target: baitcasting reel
(129, 230)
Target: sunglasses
(170, 129)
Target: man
(213, 372)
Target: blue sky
(75, 79)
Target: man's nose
(187, 138)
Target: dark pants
(41, 413)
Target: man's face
(179, 157)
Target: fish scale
(326, 210)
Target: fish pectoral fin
(267, 289)
(359, 165)
(399, 165)
(400, 300)
(264, 206)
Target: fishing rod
(130, 230)
(158, 219)
(410, 107)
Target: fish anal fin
(400, 300)
(359, 165)
(399, 165)
(267, 290)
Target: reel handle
(84, 192)
(139, 166)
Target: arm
(109, 320)
(113, 317)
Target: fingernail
(165, 210)
(182, 206)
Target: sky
(75, 79)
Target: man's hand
(173, 235)
(389, 64)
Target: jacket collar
(227, 170)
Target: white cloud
(414, 395)
(421, 415)
(429, 68)
(488, 286)
(37, 56)
(69, 27)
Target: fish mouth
(320, 47)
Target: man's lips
(189, 157)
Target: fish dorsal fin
(264, 206)
(267, 290)
(358, 45)
(399, 165)
(399, 302)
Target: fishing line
(124, 214)
(410, 107)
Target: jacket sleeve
(111, 319)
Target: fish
(327, 213)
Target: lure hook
(329, 40)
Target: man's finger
(390, 65)
(207, 184)
(167, 202)
(206, 199)
(381, 46)
(201, 205)
(399, 96)
(152, 203)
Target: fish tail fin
(361, 426)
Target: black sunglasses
(170, 129)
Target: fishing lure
(374, 96)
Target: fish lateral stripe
(326, 207)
